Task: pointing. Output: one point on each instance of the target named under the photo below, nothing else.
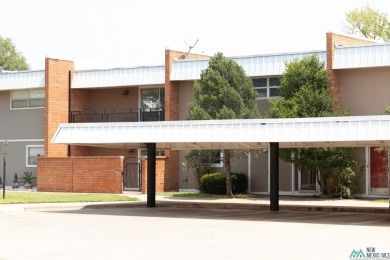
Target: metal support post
(274, 177)
(4, 170)
(151, 176)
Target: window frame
(28, 100)
(220, 164)
(28, 155)
(267, 87)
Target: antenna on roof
(190, 47)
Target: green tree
(369, 23)
(304, 90)
(224, 92)
(10, 58)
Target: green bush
(214, 183)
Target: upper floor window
(266, 87)
(28, 98)
(152, 104)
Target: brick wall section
(56, 102)
(79, 102)
(160, 175)
(332, 40)
(171, 175)
(95, 174)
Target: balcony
(117, 116)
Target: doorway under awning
(354, 131)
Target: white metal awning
(231, 134)
(14, 80)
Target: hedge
(214, 183)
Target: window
(28, 98)
(216, 159)
(32, 154)
(159, 152)
(266, 87)
(152, 98)
(152, 104)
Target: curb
(190, 205)
(244, 206)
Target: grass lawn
(19, 197)
(382, 201)
(201, 195)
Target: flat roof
(354, 131)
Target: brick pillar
(171, 176)
(332, 41)
(58, 73)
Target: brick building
(359, 71)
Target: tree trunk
(228, 173)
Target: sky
(125, 33)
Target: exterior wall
(57, 102)
(332, 41)
(172, 112)
(112, 99)
(19, 123)
(186, 96)
(365, 91)
(80, 174)
(79, 102)
(161, 184)
(16, 161)
(18, 128)
(263, 105)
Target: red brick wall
(57, 102)
(160, 175)
(332, 40)
(97, 174)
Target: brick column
(58, 74)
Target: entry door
(308, 181)
(132, 174)
(379, 165)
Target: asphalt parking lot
(173, 233)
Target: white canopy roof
(231, 134)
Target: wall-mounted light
(125, 92)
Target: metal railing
(130, 115)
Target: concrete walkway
(287, 203)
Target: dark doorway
(132, 174)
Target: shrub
(214, 183)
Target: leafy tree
(10, 58)
(304, 90)
(369, 23)
(199, 161)
(224, 92)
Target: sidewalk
(290, 203)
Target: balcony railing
(117, 116)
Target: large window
(266, 87)
(28, 98)
(152, 104)
(32, 154)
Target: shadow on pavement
(282, 216)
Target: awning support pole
(274, 177)
(151, 176)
